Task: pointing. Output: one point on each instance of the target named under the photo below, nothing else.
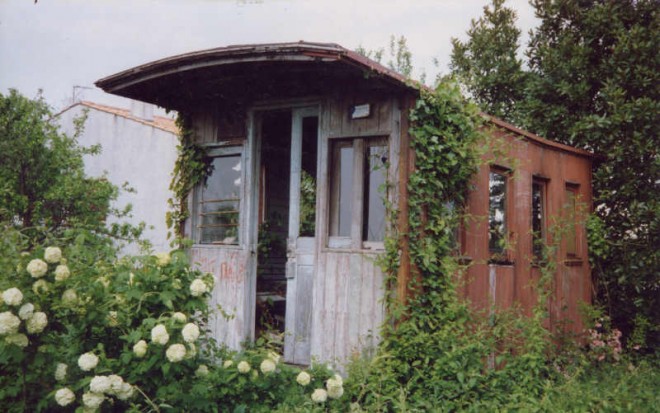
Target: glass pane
(374, 193)
(220, 202)
(342, 191)
(571, 248)
(537, 219)
(497, 213)
(308, 177)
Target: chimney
(142, 110)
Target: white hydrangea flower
(243, 367)
(179, 317)
(140, 348)
(198, 287)
(274, 356)
(103, 281)
(17, 339)
(60, 372)
(159, 335)
(116, 383)
(162, 258)
(227, 364)
(36, 323)
(93, 400)
(303, 378)
(40, 287)
(62, 273)
(53, 255)
(64, 396)
(190, 333)
(202, 371)
(69, 297)
(99, 384)
(192, 351)
(9, 323)
(37, 268)
(337, 379)
(127, 391)
(267, 366)
(12, 296)
(26, 311)
(88, 361)
(112, 318)
(175, 353)
(319, 396)
(335, 388)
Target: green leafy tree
(42, 181)
(595, 85)
(487, 63)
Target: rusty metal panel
(529, 157)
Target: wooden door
(301, 241)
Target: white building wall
(132, 152)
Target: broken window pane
(308, 177)
(570, 209)
(497, 212)
(538, 218)
(374, 193)
(342, 190)
(220, 202)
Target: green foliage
(42, 180)
(94, 303)
(596, 85)
(399, 57)
(435, 353)
(191, 168)
(487, 64)
(592, 83)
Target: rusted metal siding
(489, 283)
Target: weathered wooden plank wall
(229, 325)
(348, 305)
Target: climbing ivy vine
(191, 168)
(435, 351)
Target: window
(570, 209)
(538, 217)
(219, 200)
(497, 219)
(358, 176)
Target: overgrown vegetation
(592, 82)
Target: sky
(63, 46)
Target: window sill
(573, 262)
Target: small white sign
(361, 111)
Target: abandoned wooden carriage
(291, 219)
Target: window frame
(360, 146)
(503, 257)
(213, 152)
(571, 215)
(543, 182)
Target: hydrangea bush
(82, 331)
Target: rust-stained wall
(502, 285)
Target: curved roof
(243, 71)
